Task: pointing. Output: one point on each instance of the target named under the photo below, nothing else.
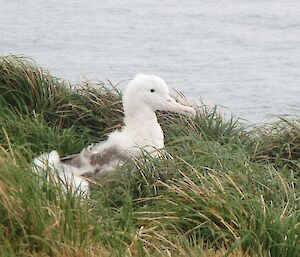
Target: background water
(243, 54)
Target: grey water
(242, 54)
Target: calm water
(244, 55)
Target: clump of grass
(222, 208)
(219, 190)
(32, 219)
(278, 143)
(28, 89)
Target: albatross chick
(144, 95)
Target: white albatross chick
(144, 95)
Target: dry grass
(222, 253)
(97, 251)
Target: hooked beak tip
(192, 113)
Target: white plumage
(50, 162)
(144, 95)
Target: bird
(144, 95)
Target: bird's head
(150, 91)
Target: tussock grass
(279, 143)
(221, 190)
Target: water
(242, 54)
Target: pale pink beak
(169, 104)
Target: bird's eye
(152, 90)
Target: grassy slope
(221, 191)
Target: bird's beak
(169, 104)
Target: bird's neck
(142, 116)
(142, 127)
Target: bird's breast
(148, 136)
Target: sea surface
(242, 54)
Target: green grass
(223, 190)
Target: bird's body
(144, 134)
(144, 95)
